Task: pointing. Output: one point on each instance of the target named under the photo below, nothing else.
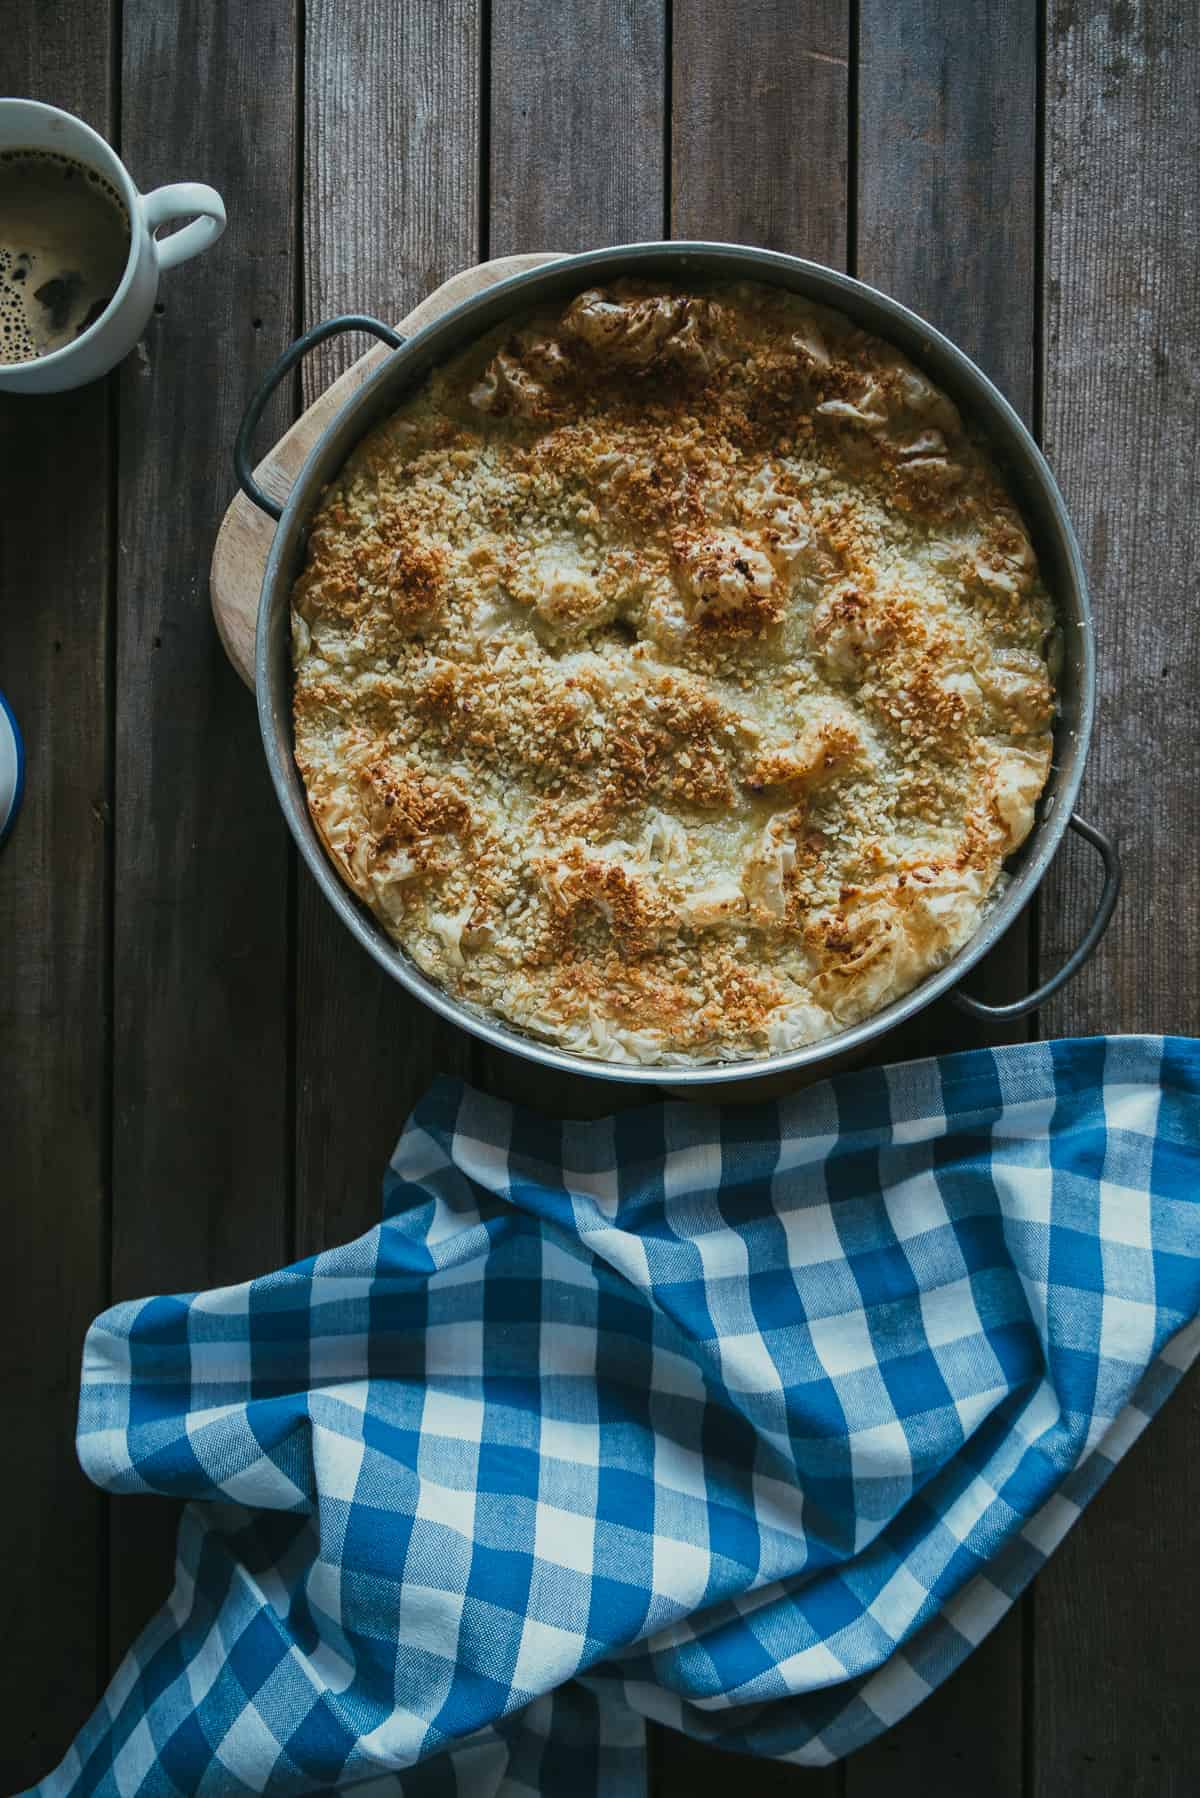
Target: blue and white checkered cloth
(749, 1421)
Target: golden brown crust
(671, 674)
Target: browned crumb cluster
(673, 674)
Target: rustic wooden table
(200, 1074)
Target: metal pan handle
(1083, 950)
(242, 460)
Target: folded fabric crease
(752, 1422)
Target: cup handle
(180, 200)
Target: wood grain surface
(1114, 1710)
(575, 151)
(55, 634)
(946, 220)
(201, 1072)
(201, 1097)
(392, 93)
(760, 124)
(946, 201)
(615, 194)
(774, 92)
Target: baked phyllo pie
(673, 674)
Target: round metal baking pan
(1021, 463)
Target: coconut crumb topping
(673, 674)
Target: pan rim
(1010, 439)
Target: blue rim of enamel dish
(9, 727)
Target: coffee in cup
(64, 243)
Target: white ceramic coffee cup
(28, 125)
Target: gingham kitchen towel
(750, 1421)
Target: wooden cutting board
(244, 539)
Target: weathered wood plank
(947, 173)
(576, 149)
(1115, 1652)
(759, 143)
(684, 1768)
(391, 160)
(582, 105)
(759, 124)
(391, 207)
(54, 915)
(1114, 1640)
(1122, 432)
(947, 222)
(201, 911)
